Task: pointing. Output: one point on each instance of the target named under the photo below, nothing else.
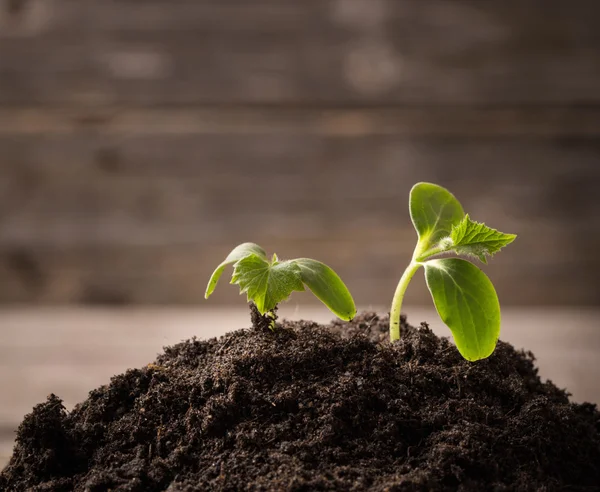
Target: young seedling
(463, 295)
(267, 283)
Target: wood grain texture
(71, 351)
(408, 122)
(144, 218)
(283, 51)
(140, 141)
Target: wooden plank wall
(140, 140)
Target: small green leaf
(467, 302)
(477, 239)
(266, 284)
(328, 287)
(236, 254)
(434, 212)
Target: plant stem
(398, 298)
(432, 252)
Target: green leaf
(477, 239)
(236, 254)
(328, 287)
(434, 212)
(467, 302)
(266, 284)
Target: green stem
(432, 252)
(399, 297)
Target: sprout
(463, 295)
(267, 283)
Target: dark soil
(311, 407)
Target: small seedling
(267, 283)
(463, 295)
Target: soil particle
(309, 407)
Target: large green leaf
(434, 212)
(239, 252)
(477, 239)
(467, 302)
(324, 283)
(266, 284)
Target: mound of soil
(312, 407)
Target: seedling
(463, 295)
(267, 283)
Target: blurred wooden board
(71, 351)
(285, 51)
(140, 141)
(122, 123)
(102, 217)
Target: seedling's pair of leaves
(463, 295)
(267, 283)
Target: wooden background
(141, 140)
